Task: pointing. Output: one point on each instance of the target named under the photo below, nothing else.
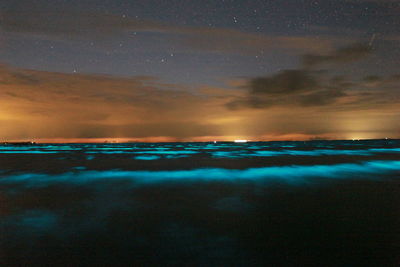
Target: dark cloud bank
(314, 85)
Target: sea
(289, 203)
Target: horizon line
(209, 141)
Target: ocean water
(325, 203)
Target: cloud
(286, 82)
(73, 26)
(16, 77)
(289, 87)
(322, 97)
(342, 55)
(56, 105)
(374, 1)
(309, 87)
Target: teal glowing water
(229, 150)
(252, 204)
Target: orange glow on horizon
(161, 139)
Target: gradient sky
(199, 70)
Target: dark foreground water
(321, 203)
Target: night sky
(203, 70)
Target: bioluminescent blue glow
(296, 174)
(163, 152)
(151, 196)
(37, 220)
(230, 154)
(232, 204)
(176, 156)
(147, 157)
(108, 152)
(317, 152)
(28, 152)
(218, 150)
